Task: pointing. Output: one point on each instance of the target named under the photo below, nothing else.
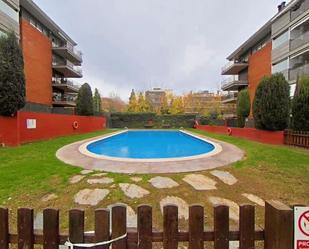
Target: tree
(84, 101)
(164, 105)
(271, 103)
(12, 79)
(97, 105)
(300, 105)
(243, 107)
(133, 106)
(143, 104)
(177, 105)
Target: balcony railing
(69, 65)
(299, 71)
(71, 49)
(300, 40)
(64, 99)
(233, 83)
(66, 82)
(233, 67)
(299, 9)
(229, 97)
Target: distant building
(155, 97)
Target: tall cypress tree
(84, 103)
(133, 106)
(97, 101)
(243, 107)
(12, 79)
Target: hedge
(140, 120)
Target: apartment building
(155, 97)
(281, 45)
(51, 60)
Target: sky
(172, 44)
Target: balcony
(68, 69)
(233, 83)
(70, 53)
(64, 100)
(229, 98)
(65, 85)
(298, 72)
(234, 67)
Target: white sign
(301, 228)
(31, 123)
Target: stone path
(99, 174)
(224, 176)
(163, 182)
(38, 221)
(86, 172)
(234, 208)
(49, 197)
(183, 207)
(104, 180)
(136, 179)
(90, 197)
(200, 182)
(255, 199)
(76, 179)
(133, 191)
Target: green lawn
(29, 172)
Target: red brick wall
(13, 130)
(259, 66)
(267, 137)
(37, 51)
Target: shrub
(97, 101)
(271, 103)
(243, 107)
(84, 103)
(300, 105)
(12, 79)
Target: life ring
(75, 125)
(229, 131)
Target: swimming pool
(144, 145)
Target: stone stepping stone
(234, 245)
(200, 182)
(136, 179)
(163, 182)
(99, 174)
(86, 172)
(104, 180)
(90, 197)
(183, 207)
(49, 197)
(131, 216)
(257, 200)
(224, 176)
(234, 208)
(76, 179)
(133, 191)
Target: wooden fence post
(221, 227)
(76, 226)
(102, 226)
(25, 228)
(246, 227)
(196, 227)
(119, 225)
(170, 227)
(4, 228)
(278, 226)
(144, 227)
(50, 229)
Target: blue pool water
(150, 145)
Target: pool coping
(83, 149)
(71, 155)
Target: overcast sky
(173, 44)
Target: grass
(29, 172)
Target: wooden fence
(296, 138)
(278, 231)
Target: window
(4, 7)
(281, 39)
(281, 66)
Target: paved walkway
(70, 154)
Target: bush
(84, 103)
(300, 105)
(139, 120)
(243, 107)
(271, 103)
(12, 79)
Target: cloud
(176, 44)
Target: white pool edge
(83, 150)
